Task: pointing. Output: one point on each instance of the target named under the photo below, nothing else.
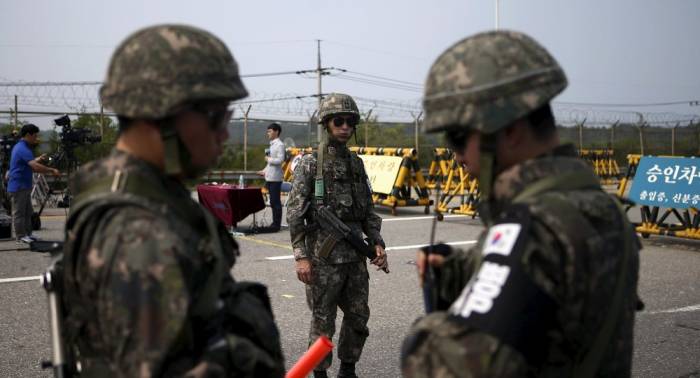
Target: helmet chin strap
(178, 161)
(487, 173)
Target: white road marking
(420, 218)
(285, 257)
(674, 310)
(417, 246)
(397, 248)
(20, 279)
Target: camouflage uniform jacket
(576, 282)
(135, 275)
(347, 192)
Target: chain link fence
(246, 146)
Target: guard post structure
(671, 184)
(409, 188)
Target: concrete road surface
(667, 339)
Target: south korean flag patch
(501, 298)
(501, 238)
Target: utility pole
(319, 72)
(497, 13)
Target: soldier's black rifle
(337, 231)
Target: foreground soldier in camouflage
(147, 271)
(550, 288)
(335, 276)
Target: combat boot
(320, 374)
(347, 370)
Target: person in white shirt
(274, 156)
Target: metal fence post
(16, 112)
(245, 138)
(367, 119)
(673, 139)
(416, 121)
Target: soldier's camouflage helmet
(159, 68)
(487, 81)
(337, 103)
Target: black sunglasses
(457, 139)
(350, 121)
(218, 118)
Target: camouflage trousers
(345, 286)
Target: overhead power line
(275, 99)
(636, 105)
(380, 84)
(73, 83)
(383, 78)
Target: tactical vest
(543, 193)
(132, 190)
(346, 189)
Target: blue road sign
(667, 182)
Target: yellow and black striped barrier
(462, 185)
(439, 169)
(454, 182)
(291, 153)
(604, 164)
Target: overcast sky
(614, 52)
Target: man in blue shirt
(19, 186)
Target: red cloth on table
(230, 203)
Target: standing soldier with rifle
(550, 290)
(147, 289)
(330, 207)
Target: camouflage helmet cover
(337, 103)
(487, 81)
(161, 67)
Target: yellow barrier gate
(453, 181)
(604, 165)
(440, 168)
(687, 221)
(291, 153)
(408, 181)
(461, 184)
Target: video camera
(6, 143)
(75, 137)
